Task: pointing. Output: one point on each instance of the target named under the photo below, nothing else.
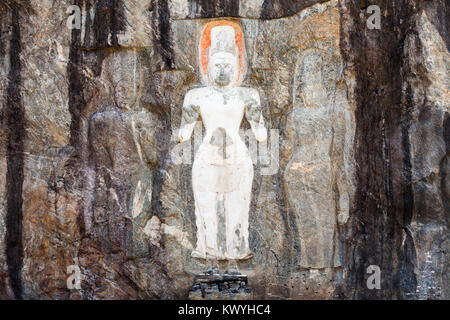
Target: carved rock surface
(355, 172)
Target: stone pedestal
(213, 285)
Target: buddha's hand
(190, 113)
(189, 116)
(252, 110)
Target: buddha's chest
(222, 109)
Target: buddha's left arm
(253, 113)
(190, 113)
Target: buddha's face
(222, 68)
(125, 79)
(125, 93)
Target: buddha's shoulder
(197, 93)
(248, 92)
(205, 92)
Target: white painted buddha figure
(222, 172)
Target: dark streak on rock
(14, 117)
(163, 137)
(445, 165)
(267, 9)
(2, 37)
(275, 9)
(384, 199)
(217, 8)
(408, 195)
(76, 98)
(109, 20)
(75, 105)
(162, 37)
(406, 277)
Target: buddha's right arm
(188, 118)
(253, 113)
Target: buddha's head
(223, 65)
(223, 68)
(122, 76)
(222, 55)
(127, 81)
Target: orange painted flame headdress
(205, 44)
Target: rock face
(354, 172)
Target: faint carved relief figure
(316, 173)
(122, 149)
(222, 172)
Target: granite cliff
(355, 175)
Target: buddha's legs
(206, 220)
(237, 205)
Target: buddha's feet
(203, 255)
